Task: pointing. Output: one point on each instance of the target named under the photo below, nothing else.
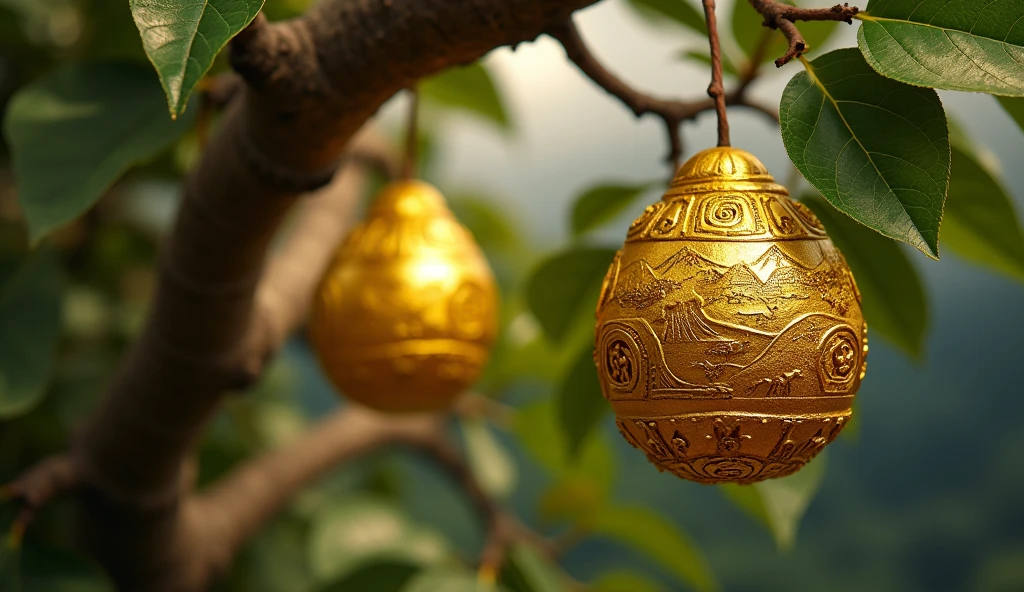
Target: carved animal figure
(780, 386)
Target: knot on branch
(783, 17)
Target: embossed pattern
(406, 315)
(730, 340)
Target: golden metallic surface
(730, 340)
(407, 313)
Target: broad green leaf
(378, 576)
(781, 503)
(1015, 107)
(877, 149)
(30, 322)
(654, 535)
(681, 12)
(625, 581)
(526, 570)
(470, 88)
(952, 44)
(702, 56)
(980, 223)
(490, 462)
(748, 30)
(448, 579)
(487, 220)
(76, 131)
(183, 37)
(538, 431)
(559, 288)
(580, 402)
(601, 204)
(573, 499)
(892, 297)
(349, 534)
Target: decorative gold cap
(410, 198)
(723, 169)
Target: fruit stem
(717, 88)
(411, 135)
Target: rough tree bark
(310, 84)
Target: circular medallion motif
(840, 358)
(620, 363)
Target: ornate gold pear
(730, 340)
(407, 313)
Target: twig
(783, 17)
(37, 487)
(716, 90)
(412, 135)
(672, 113)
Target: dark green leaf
(378, 576)
(470, 88)
(748, 30)
(893, 299)
(490, 462)
(580, 402)
(781, 503)
(877, 149)
(656, 536)
(30, 309)
(351, 533)
(74, 132)
(562, 285)
(980, 223)
(183, 37)
(679, 11)
(537, 429)
(573, 499)
(601, 204)
(448, 579)
(625, 581)
(952, 44)
(1015, 107)
(704, 57)
(526, 570)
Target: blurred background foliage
(923, 494)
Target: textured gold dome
(407, 313)
(730, 340)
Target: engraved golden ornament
(407, 313)
(730, 340)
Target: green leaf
(893, 299)
(781, 503)
(1015, 107)
(526, 570)
(89, 122)
(654, 535)
(351, 533)
(952, 44)
(562, 285)
(490, 224)
(877, 149)
(30, 322)
(538, 431)
(490, 462)
(602, 204)
(10, 564)
(580, 402)
(448, 579)
(470, 88)
(183, 37)
(681, 12)
(378, 576)
(980, 223)
(574, 500)
(625, 581)
(748, 30)
(702, 56)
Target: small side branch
(717, 88)
(673, 113)
(37, 487)
(783, 17)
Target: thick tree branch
(311, 83)
(672, 113)
(781, 16)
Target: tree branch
(716, 90)
(781, 16)
(672, 113)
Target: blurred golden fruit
(730, 341)
(407, 313)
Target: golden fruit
(407, 313)
(730, 340)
